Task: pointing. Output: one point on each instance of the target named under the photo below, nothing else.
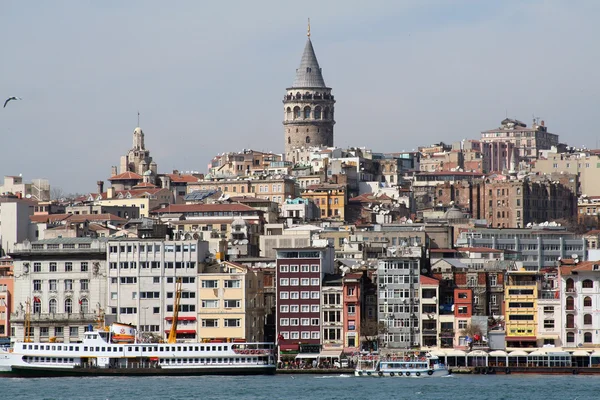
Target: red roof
(75, 218)
(479, 250)
(425, 280)
(181, 178)
(442, 251)
(126, 176)
(144, 185)
(584, 266)
(183, 208)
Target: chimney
(542, 123)
(113, 170)
(100, 186)
(110, 192)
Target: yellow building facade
(231, 303)
(520, 297)
(330, 199)
(146, 200)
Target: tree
(372, 330)
(471, 331)
(56, 193)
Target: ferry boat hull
(403, 367)
(49, 372)
(403, 373)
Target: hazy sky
(209, 77)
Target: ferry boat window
(214, 348)
(201, 348)
(71, 360)
(97, 348)
(85, 348)
(160, 348)
(129, 348)
(144, 348)
(104, 349)
(178, 348)
(185, 360)
(35, 347)
(53, 359)
(76, 348)
(137, 348)
(219, 348)
(196, 348)
(48, 347)
(184, 348)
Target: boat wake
(333, 376)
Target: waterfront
(532, 387)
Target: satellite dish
(28, 196)
(26, 268)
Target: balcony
(55, 317)
(570, 327)
(571, 291)
(427, 331)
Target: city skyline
(404, 75)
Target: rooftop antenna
(308, 30)
(138, 119)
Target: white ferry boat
(402, 366)
(99, 355)
(115, 351)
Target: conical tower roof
(308, 74)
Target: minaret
(308, 106)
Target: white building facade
(64, 282)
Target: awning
(537, 353)
(438, 353)
(455, 353)
(288, 347)
(330, 353)
(517, 353)
(596, 354)
(181, 318)
(580, 353)
(521, 339)
(548, 336)
(307, 355)
(497, 353)
(477, 353)
(184, 331)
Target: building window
(232, 303)
(84, 267)
(587, 319)
(53, 267)
(52, 283)
(68, 284)
(37, 267)
(284, 321)
(294, 295)
(210, 303)
(52, 306)
(84, 284)
(587, 301)
(283, 268)
(350, 291)
(231, 322)
(84, 305)
(462, 324)
(588, 284)
(587, 337)
(68, 306)
(233, 283)
(284, 295)
(210, 323)
(284, 308)
(284, 281)
(211, 284)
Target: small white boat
(401, 366)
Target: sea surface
(492, 387)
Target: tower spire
(308, 30)
(138, 118)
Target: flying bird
(11, 98)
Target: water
(489, 387)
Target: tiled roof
(442, 251)
(584, 266)
(127, 176)
(180, 178)
(479, 250)
(183, 208)
(75, 218)
(308, 74)
(144, 185)
(425, 280)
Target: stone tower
(308, 107)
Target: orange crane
(173, 333)
(27, 321)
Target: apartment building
(63, 283)
(398, 300)
(332, 309)
(142, 278)
(6, 296)
(580, 291)
(299, 277)
(430, 313)
(231, 303)
(539, 246)
(521, 310)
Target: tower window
(289, 113)
(306, 112)
(308, 139)
(297, 112)
(317, 113)
(289, 140)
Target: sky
(209, 77)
